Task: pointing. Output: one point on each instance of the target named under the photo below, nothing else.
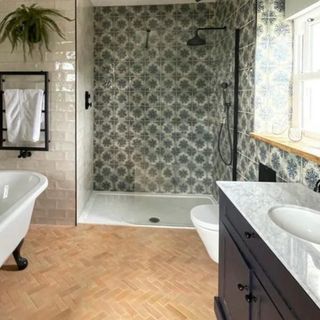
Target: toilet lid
(206, 216)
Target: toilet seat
(206, 216)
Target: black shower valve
(88, 103)
(317, 186)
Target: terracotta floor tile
(103, 272)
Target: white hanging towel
(12, 104)
(23, 114)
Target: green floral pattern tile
(158, 109)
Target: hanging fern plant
(30, 27)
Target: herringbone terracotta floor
(101, 272)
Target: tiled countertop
(254, 199)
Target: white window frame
(302, 67)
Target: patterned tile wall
(157, 110)
(155, 130)
(57, 204)
(271, 107)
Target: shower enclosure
(160, 124)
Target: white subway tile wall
(57, 204)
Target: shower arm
(147, 38)
(211, 28)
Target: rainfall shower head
(197, 40)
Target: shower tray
(141, 209)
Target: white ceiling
(140, 2)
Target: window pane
(311, 106)
(315, 46)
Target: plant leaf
(30, 26)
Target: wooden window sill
(306, 148)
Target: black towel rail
(44, 143)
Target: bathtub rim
(27, 198)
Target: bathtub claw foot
(21, 262)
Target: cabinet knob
(242, 287)
(249, 235)
(250, 298)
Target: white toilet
(206, 220)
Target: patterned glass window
(306, 81)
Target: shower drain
(154, 220)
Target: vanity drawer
(242, 227)
(257, 248)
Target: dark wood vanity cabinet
(262, 307)
(241, 294)
(253, 283)
(234, 279)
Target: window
(306, 78)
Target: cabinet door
(234, 279)
(262, 306)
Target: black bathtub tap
(24, 153)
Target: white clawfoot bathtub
(18, 192)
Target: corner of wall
(85, 66)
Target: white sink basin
(301, 222)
